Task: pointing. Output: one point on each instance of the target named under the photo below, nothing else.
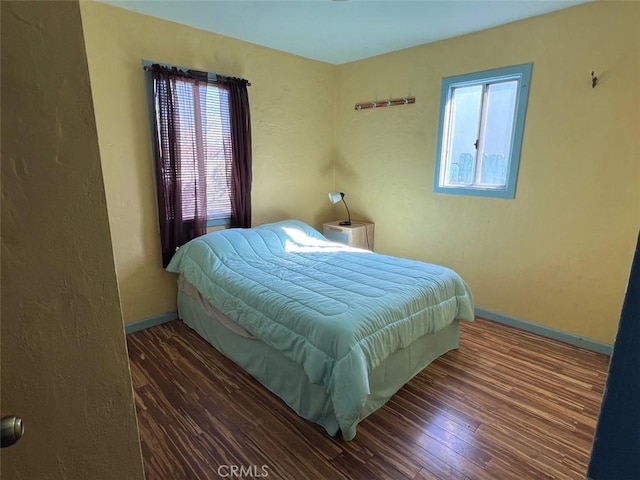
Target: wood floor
(506, 405)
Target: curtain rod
(392, 102)
(148, 68)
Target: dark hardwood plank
(506, 405)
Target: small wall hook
(594, 80)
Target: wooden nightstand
(358, 234)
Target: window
(203, 131)
(480, 137)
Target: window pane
(186, 140)
(498, 133)
(466, 103)
(213, 127)
(216, 142)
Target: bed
(334, 331)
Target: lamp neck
(348, 222)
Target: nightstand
(358, 234)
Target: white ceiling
(343, 31)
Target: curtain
(241, 163)
(180, 178)
(203, 153)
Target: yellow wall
(292, 102)
(559, 254)
(64, 360)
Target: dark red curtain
(180, 181)
(241, 167)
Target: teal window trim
(211, 221)
(218, 222)
(523, 74)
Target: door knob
(11, 430)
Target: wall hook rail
(392, 102)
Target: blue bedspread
(335, 310)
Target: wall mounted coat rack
(392, 102)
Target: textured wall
(538, 258)
(292, 102)
(558, 254)
(64, 361)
